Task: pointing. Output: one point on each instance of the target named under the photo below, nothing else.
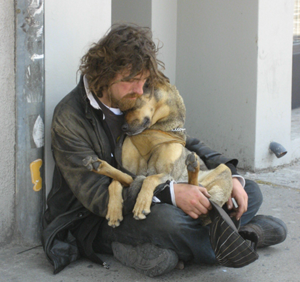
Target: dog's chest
(149, 140)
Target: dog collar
(178, 129)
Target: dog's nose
(146, 122)
(125, 127)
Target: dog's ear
(160, 113)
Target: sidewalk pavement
(281, 190)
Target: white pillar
(71, 26)
(234, 71)
(274, 77)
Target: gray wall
(161, 17)
(7, 121)
(164, 27)
(132, 11)
(234, 61)
(216, 72)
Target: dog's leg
(102, 167)
(115, 204)
(218, 183)
(144, 199)
(193, 167)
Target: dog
(155, 148)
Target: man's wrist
(241, 179)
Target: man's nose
(138, 87)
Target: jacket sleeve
(211, 158)
(73, 139)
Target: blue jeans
(169, 227)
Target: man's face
(123, 94)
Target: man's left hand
(241, 197)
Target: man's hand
(241, 197)
(192, 199)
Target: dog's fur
(154, 117)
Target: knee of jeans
(255, 195)
(169, 218)
(258, 195)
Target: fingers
(240, 211)
(241, 197)
(203, 190)
(200, 205)
(193, 200)
(229, 204)
(193, 215)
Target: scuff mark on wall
(39, 32)
(36, 57)
(33, 29)
(37, 6)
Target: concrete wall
(234, 72)
(69, 32)
(164, 27)
(131, 11)
(216, 73)
(7, 121)
(161, 17)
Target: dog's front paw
(91, 162)
(114, 214)
(142, 206)
(192, 162)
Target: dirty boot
(147, 258)
(269, 230)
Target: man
(88, 122)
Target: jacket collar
(92, 100)
(85, 100)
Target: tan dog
(155, 148)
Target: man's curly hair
(123, 48)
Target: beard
(124, 103)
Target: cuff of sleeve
(163, 194)
(172, 193)
(232, 168)
(240, 178)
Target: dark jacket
(78, 195)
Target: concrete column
(29, 167)
(234, 72)
(7, 121)
(274, 77)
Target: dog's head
(155, 110)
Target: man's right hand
(193, 200)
